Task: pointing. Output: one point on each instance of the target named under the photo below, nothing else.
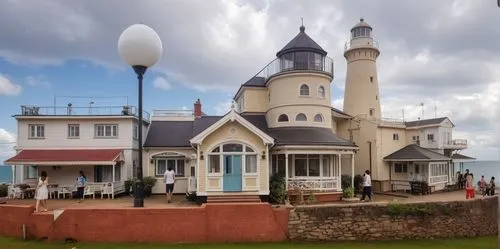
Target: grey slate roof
(178, 133)
(462, 157)
(432, 121)
(415, 152)
(256, 81)
(301, 42)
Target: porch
(103, 169)
(316, 172)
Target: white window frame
(308, 90)
(27, 170)
(247, 151)
(296, 117)
(321, 92)
(113, 130)
(73, 131)
(320, 118)
(404, 168)
(177, 166)
(395, 137)
(287, 118)
(36, 131)
(136, 131)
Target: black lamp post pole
(139, 188)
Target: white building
(62, 141)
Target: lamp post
(140, 47)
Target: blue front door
(232, 173)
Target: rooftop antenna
(302, 20)
(436, 109)
(422, 105)
(403, 114)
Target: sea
(478, 168)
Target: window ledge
(214, 175)
(73, 137)
(36, 138)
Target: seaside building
(281, 122)
(396, 152)
(101, 141)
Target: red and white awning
(66, 157)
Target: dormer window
(301, 117)
(283, 118)
(321, 91)
(304, 90)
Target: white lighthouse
(361, 96)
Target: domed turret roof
(301, 43)
(362, 23)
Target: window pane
(118, 172)
(283, 118)
(281, 165)
(300, 167)
(171, 164)
(214, 164)
(232, 148)
(304, 90)
(216, 149)
(313, 166)
(161, 167)
(249, 149)
(251, 164)
(326, 166)
(115, 130)
(228, 165)
(180, 168)
(318, 118)
(301, 117)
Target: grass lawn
(474, 243)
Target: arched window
(283, 118)
(244, 154)
(301, 117)
(321, 91)
(304, 90)
(318, 118)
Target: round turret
(362, 29)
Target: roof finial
(302, 28)
(361, 19)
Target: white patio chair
(89, 191)
(107, 189)
(63, 191)
(15, 192)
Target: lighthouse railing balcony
(358, 44)
(297, 61)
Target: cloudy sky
(443, 53)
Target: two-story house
(62, 141)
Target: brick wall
(367, 221)
(208, 223)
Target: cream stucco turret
(361, 96)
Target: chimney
(197, 109)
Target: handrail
(297, 61)
(127, 110)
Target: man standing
(169, 182)
(367, 186)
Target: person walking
(367, 186)
(469, 187)
(482, 186)
(492, 186)
(81, 182)
(42, 192)
(169, 183)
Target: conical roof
(361, 23)
(301, 43)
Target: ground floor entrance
(232, 178)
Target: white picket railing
(438, 179)
(312, 183)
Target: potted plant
(348, 194)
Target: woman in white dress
(42, 192)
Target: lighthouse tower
(361, 95)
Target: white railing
(191, 184)
(438, 179)
(118, 187)
(313, 183)
(348, 45)
(172, 113)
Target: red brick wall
(208, 223)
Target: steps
(233, 199)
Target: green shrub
(277, 189)
(130, 183)
(348, 192)
(4, 190)
(345, 181)
(396, 209)
(149, 183)
(358, 182)
(311, 198)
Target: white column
(286, 170)
(114, 173)
(352, 170)
(268, 157)
(339, 181)
(428, 173)
(13, 174)
(197, 168)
